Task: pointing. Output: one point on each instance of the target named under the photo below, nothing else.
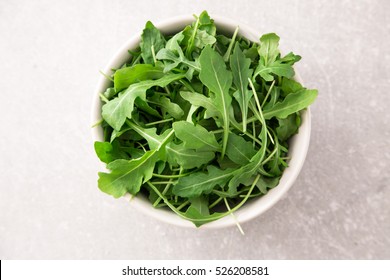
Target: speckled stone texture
(50, 206)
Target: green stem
(229, 50)
(158, 122)
(105, 75)
(210, 219)
(238, 127)
(154, 55)
(216, 202)
(191, 40)
(234, 217)
(170, 176)
(268, 93)
(183, 205)
(103, 98)
(99, 122)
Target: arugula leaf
(200, 203)
(277, 68)
(250, 169)
(195, 137)
(288, 126)
(151, 42)
(203, 101)
(118, 109)
(178, 155)
(199, 34)
(288, 86)
(124, 77)
(239, 150)
(218, 79)
(200, 182)
(293, 103)
(269, 48)
(240, 69)
(154, 140)
(168, 106)
(269, 63)
(108, 152)
(290, 58)
(173, 52)
(264, 184)
(127, 175)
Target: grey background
(50, 207)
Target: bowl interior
(298, 143)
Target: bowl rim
(250, 209)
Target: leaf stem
(105, 75)
(153, 54)
(206, 219)
(192, 38)
(103, 98)
(183, 205)
(170, 176)
(229, 50)
(268, 93)
(158, 122)
(234, 217)
(99, 122)
(216, 202)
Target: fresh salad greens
(198, 121)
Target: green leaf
(239, 150)
(127, 76)
(290, 58)
(264, 184)
(289, 86)
(199, 34)
(169, 107)
(195, 137)
(288, 127)
(203, 39)
(277, 68)
(293, 103)
(108, 152)
(109, 93)
(118, 109)
(151, 42)
(269, 44)
(154, 140)
(240, 69)
(187, 158)
(194, 215)
(199, 183)
(218, 80)
(249, 170)
(173, 52)
(201, 204)
(202, 101)
(127, 175)
(144, 106)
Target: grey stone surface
(50, 207)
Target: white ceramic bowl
(298, 144)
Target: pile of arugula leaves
(199, 121)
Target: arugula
(195, 137)
(218, 79)
(124, 77)
(118, 109)
(151, 42)
(241, 71)
(199, 122)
